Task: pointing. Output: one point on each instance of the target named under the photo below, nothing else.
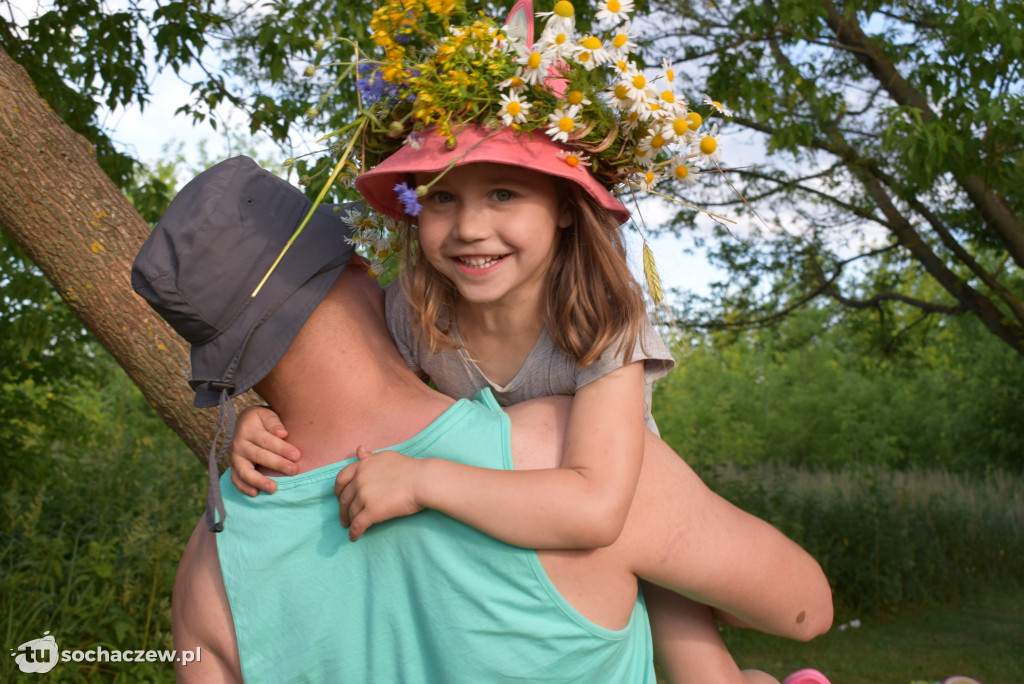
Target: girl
(518, 281)
(514, 280)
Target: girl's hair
(592, 301)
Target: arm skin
(582, 504)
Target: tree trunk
(82, 233)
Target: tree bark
(82, 233)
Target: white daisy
(513, 110)
(516, 83)
(644, 158)
(561, 19)
(630, 123)
(655, 140)
(591, 53)
(683, 172)
(617, 95)
(574, 158)
(621, 66)
(717, 105)
(562, 122)
(376, 268)
(680, 127)
(652, 108)
(611, 12)
(707, 148)
(535, 67)
(352, 218)
(636, 84)
(560, 45)
(622, 44)
(647, 180)
(577, 98)
(670, 70)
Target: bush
(805, 395)
(93, 535)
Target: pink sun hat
(535, 151)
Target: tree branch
(993, 208)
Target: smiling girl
(515, 280)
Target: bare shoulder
(201, 616)
(538, 431)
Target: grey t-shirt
(547, 371)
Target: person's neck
(330, 410)
(343, 384)
(499, 338)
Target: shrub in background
(94, 530)
(890, 539)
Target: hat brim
(430, 154)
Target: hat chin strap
(225, 429)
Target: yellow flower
(441, 7)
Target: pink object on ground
(806, 676)
(534, 151)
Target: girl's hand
(377, 487)
(260, 440)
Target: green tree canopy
(894, 119)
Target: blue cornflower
(372, 86)
(407, 196)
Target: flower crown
(442, 66)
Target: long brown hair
(592, 298)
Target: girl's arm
(582, 504)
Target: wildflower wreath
(441, 66)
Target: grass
(981, 636)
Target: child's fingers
(240, 485)
(249, 481)
(345, 475)
(246, 473)
(267, 459)
(269, 443)
(260, 428)
(361, 522)
(271, 421)
(345, 492)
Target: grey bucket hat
(204, 260)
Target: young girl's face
(492, 230)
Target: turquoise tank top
(422, 598)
